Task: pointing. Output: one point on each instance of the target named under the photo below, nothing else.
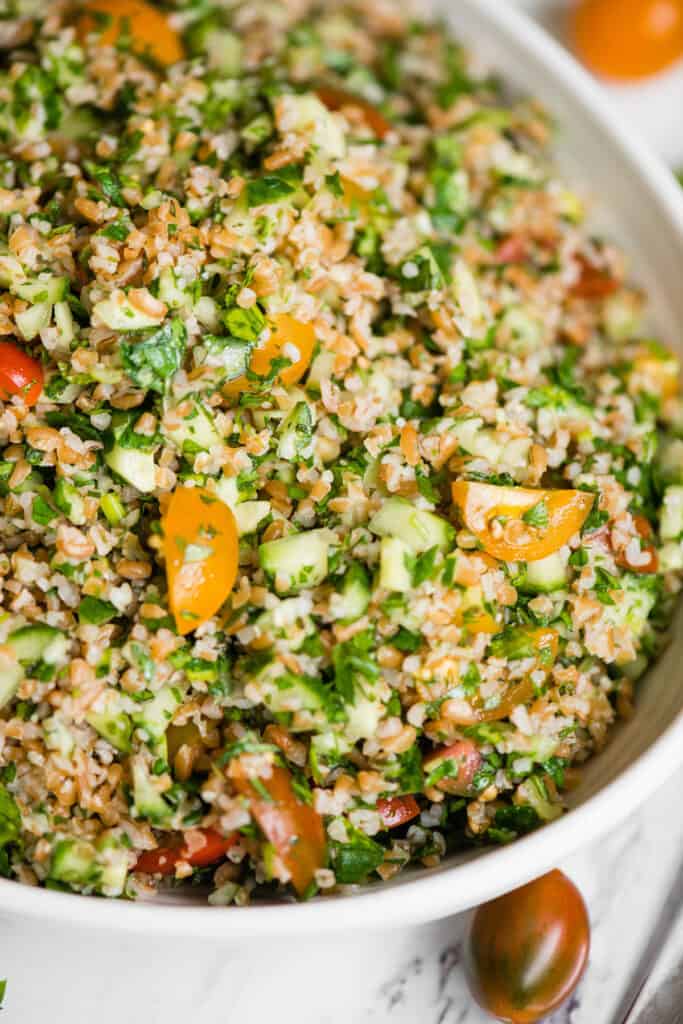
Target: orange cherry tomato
(476, 621)
(147, 28)
(199, 847)
(661, 376)
(338, 99)
(19, 374)
(289, 338)
(629, 39)
(495, 516)
(593, 282)
(201, 549)
(545, 642)
(397, 810)
(644, 530)
(293, 827)
(466, 757)
(527, 951)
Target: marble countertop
(411, 976)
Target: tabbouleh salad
(341, 492)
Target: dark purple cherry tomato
(528, 950)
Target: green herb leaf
(94, 612)
(537, 516)
(354, 860)
(151, 363)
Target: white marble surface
(403, 977)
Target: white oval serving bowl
(642, 205)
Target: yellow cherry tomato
(544, 642)
(656, 374)
(289, 338)
(338, 99)
(147, 28)
(628, 39)
(201, 549)
(503, 521)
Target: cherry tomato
(464, 756)
(495, 515)
(201, 549)
(338, 99)
(19, 374)
(593, 282)
(294, 828)
(148, 29)
(644, 530)
(629, 39)
(527, 951)
(289, 338)
(397, 810)
(655, 372)
(199, 847)
(543, 640)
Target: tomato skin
(631, 39)
(480, 504)
(527, 950)
(20, 374)
(294, 828)
(465, 754)
(163, 860)
(150, 31)
(337, 99)
(397, 810)
(285, 330)
(197, 587)
(593, 282)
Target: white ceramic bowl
(639, 198)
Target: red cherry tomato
(199, 847)
(593, 282)
(20, 374)
(463, 759)
(397, 810)
(527, 951)
(629, 39)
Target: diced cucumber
(228, 491)
(74, 862)
(533, 792)
(155, 715)
(43, 289)
(118, 313)
(418, 529)
(547, 574)
(298, 561)
(520, 331)
(670, 461)
(11, 674)
(33, 320)
(171, 292)
(112, 859)
(68, 499)
(671, 557)
(147, 798)
(394, 573)
(134, 466)
(249, 514)
(223, 48)
(194, 431)
(363, 718)
(110, 720)
(353, 599)
(39, 643)
(57, 736)
(288, 693)
(296, 434)
(322, 369)
(228, 357)
(64, 322)
(635, 601)
(671, 521)
(309, 116)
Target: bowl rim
(423, 897)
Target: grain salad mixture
(341, 494)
